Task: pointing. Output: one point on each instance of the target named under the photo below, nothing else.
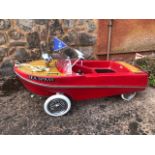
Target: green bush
(148, 64)
(152, 80)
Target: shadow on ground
(22, 114)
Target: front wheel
(57, 105)
(128, 97)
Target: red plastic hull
(93, 85)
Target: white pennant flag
(139, 56)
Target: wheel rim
(128, 97)
(57, 106)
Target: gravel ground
(22, 114)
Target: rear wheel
(57, 105)
(128, 96)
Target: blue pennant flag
(58, 44)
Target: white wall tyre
(128, 96)
(57, 105)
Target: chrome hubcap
(57, 106)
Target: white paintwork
(130, 97)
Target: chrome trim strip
(75, 86)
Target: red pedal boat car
(62, 81)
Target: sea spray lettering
(41, 78)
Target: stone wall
(23, 39)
